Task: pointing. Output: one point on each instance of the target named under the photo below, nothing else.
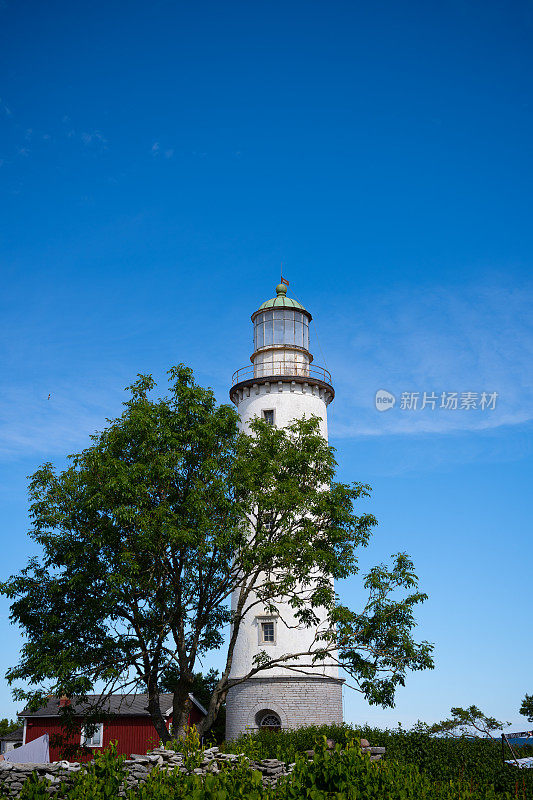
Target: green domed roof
(281, 300)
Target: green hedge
(473, 761)
(332, 775)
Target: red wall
(132, 734)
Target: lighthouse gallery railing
(278, 369)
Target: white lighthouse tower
(280, 385)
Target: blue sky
(157, 163)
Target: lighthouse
(281, 384)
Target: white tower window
(268, 416)
(267, 631)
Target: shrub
(286, 744)
(340, 774)
(350, 775)
(476, 762)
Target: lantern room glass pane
(268, 327)
(278, 327)
(298, 335)
(288, 316)
(259, 335)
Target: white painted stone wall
(297, 702)
(291, 403)
(289, 399)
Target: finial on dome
(281, 290)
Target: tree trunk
(217, 699)
(154, 709)
(181, 708)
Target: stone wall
(298, 702)
(138, 767)
(13, 776)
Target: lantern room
(281, 337)
(281, 343)
(287, 326)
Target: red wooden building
(126, 722)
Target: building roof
(15, 736)
(282, 301)
(121, 705)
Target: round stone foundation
(295, 701)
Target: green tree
(526, 709)
(8, 726)
(151, 529)
(470, 722)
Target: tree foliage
(526, 709)
(8, 726)
(470, 722)
(171, 511)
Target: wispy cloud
(6, 110)
(442, 340)
(157, 150)
(31, 422)
(470, 340)
(93, 138)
